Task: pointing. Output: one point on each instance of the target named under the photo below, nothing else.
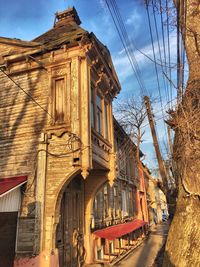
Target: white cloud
(122, 63)
(134, 18)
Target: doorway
(69, 234)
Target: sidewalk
(144, 256)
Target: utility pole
(156, 145)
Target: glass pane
(98, 100)
(106, 121)
(99, 121)
(92, 114)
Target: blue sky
(27, 19)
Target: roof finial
(69, 15)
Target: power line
(163, 42)
(161, 118)
(168, 45)
(128, 46)
(118, 22)
(123, 28)
(156, 27)
(154, 56)
(30, 96)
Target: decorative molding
(60, 70)
(58, 130)
(101, 143)
(85, 173)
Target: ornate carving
(59, 71)
(85, 173)
(58, 130)
(100, 143)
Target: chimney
(68, 16)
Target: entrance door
(69, 239)
(8, 224)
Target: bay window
(92, 110)
(99, 113)
(105, 120)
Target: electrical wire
(118, 22)
(160, 55)
(30, 96)
(168, 45)
(156, 69)
(35, 101)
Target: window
(99, 114)
(59, 106)
(124, 204)
(92, 110)
(131, 202)
(105, 120)
(106, 202)
(98, 206)
(116, 202)
(59, 100)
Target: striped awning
(119, 230)
(9, 184)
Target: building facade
(57, 148)
(156, 199)
(120, 215)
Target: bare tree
(131, 114)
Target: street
(145, 255)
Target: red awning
(119, 230)
(8, 184)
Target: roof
(119, 230)
(63, 33)
(66, 29)
(9, 184)
(17, 42)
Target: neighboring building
(120, 213)
(156, 199)
(57, 148)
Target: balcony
(101, 149)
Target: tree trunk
(183, 243)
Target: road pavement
(144, 256)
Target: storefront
(10, 203)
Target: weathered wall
(21, 121)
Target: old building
(57, 147)
(120, 215)
(156, 199)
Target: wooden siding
(21, 120)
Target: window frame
(60, 72)
(99, 115)
(55, 79)
(101, 109)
